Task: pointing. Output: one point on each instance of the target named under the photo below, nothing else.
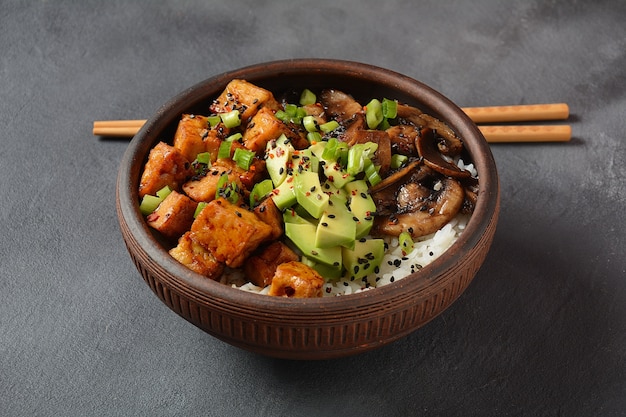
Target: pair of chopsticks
(501, 133)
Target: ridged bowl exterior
(309, 328)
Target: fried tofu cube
(270, 214)
(195, 257)
(264, 127)
(166, 165)
(174, 215)
(297, 280)
(205, 188)
(230, 232)
(261, 267)
(190, 134)
(245, 97)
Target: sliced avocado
(284, 195)
(327, 271)
(301, 236)
(365, 258)
(309, 193)
(278, 158)
(293, 215)
(330, 189)
(333, 171)
(361, 205)
(337, 226)
(305, 160)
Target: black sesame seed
(324, 224)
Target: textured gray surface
(540, 332)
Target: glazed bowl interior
(276, 321)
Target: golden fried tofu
(190, 134)
(264, 127)
(270, 214)
(245, 97)
(174, 215)
(230, 232)
(261, 267)
(195, 257)
(204, 188)
(166, 166)
(295, 279)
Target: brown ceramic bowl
(309, 328)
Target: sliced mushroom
(339, 105)
(396, 176)
(428, 213)
(449, 145)
(403, 138)
(427, 149)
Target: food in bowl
(308, 194)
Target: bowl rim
(263, 305)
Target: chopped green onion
(224, 150)
(330, 149)
(291, 110)
(282, 116)
(314, 137)
(342, 153)
(371, 172)
(358, 154)
(307, 97)
(373, 113)
(406, 242)
(199, 208)
(214, 120)
(309, 123)
(397, 160)
(221, 183)
(234, 137)
(384, 125)
(329, 126)
(260, 191)
(226, 189)
(204, 158)
(389, 108)
(243, 158)
(300, 113)
(164, 192)
(231, 119)
(149, 203)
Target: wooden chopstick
(518, 113)
(492, 114)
